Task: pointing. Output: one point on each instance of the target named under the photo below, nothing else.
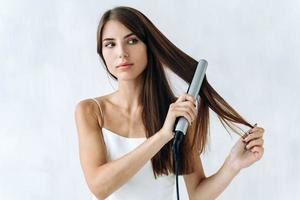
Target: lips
(124, 65)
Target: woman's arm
(243, 154)
(211, 187)
(104, 177)
(110, 176)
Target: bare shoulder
(85, 106)
(91, 108)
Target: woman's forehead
(115, 29)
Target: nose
(124, 55)
(122, 52)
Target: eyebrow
(126, 36)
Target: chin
(127, 77)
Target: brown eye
(109, 44)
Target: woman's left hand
(249, 150)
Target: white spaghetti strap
(99, 108)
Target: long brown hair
(156, 94)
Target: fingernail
(253, 127)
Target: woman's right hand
(184, 106)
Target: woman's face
(119, 46)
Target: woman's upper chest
(122, 123)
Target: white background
(48, 63)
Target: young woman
(125, 138)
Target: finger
(253, 135)
(258, 152)
(190, 98)
(257, 149)
(184, 110)
(181, 98)
(190, 105)
(180, 112)
(185, 97)
(249, 131)
(257, 142)
(187, 102)
(256, 128)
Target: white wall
(48, 62)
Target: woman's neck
(128, 95)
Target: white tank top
(143, 185)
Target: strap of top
(99, 108)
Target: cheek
(143, 56)
(108, 61)
(106, 57)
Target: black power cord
(176, 156)
(182, 124)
